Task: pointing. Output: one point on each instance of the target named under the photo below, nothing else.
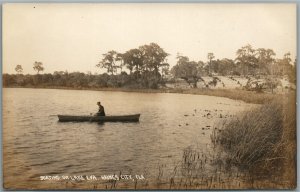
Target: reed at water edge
(263, 141)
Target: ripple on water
(45, 163)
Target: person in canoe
(101, 111)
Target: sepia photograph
(149, 96)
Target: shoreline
(235, 94)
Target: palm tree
(19, 69)
(119, 57)
(38, 66)
(210, 57)
(109, 62)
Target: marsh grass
(235, 94)
(263, 141)
(253, 137)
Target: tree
(265, 64)
(285, 67)
(265, 60)
(210, 57)
(146, 62)
(165, 69)
(153, 57)
(201, 68)
(119, 58)
(246, 59)
(215, 66)
(133, 60)
(187, 70)
(282, 66)
(287, 56)
(226, 67)
(19, 69)
(38, 66)
(109, 62)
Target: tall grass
(250, 138)
(287, 145)
(263, 140)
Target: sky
(73, 37)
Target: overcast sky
(73, 37)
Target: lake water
(35, 144)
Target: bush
(236, 73)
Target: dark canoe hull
(121, 118)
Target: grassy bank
(263, 142)
(250, 138)
(236, 94)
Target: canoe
(120, 118)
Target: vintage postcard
(149, 96)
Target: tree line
(66, 79)
(248, 62)
(147, 67)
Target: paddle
(92, 117)
(99, 122)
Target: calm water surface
(36, 144)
